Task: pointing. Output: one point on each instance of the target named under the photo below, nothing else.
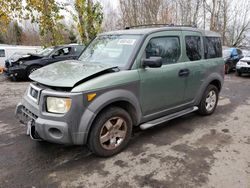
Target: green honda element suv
(126, 78)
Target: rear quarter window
(193, 47)
(2, 53)
(213, 48)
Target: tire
(227, 69)
(32, 69)
(238, 73)
(204, 107)
(106, 126)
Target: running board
(167, 118)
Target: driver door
(162, 89)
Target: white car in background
(7, 51)
(243, 66)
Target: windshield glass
(246, 54)
(226, 53)
(110, 49)
(45, 52)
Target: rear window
(2, 53)
(213, 48)
(193, 47)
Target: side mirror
(53, 56)
(152, 62)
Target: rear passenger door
(195, 63)
(203, 57)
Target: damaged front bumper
(56, 128)
(16, 71)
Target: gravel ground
(191, 151)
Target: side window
(213, 48)
(193, 47)
(2, 53)
(166, 47)
(63, 52)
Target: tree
(9, 9)
(13, 34)
(46, 13)
(89, 19)
(72, 37)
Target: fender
(100, 103)
(212, 77)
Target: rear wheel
(111, 132)
(209, 100)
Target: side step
(167, 118)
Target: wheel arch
(119, 98)
(214, 79)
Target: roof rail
(162, 25)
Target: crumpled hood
(67, 73)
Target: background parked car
(243, 66)
(23, 66)
(6, 51)
(231, 57)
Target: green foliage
(89, 18)
(46, 13)
(9, 9)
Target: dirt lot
(191, 151)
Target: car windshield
(110, 49)
(45, 52)
(247, 54)
(226, 53)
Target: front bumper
(15, 71)
(243, 69)
(57, 128)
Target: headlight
(58, 105)
(20, 62)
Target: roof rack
(162, 25)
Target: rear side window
(213, 48)
(193, 47)
(166, 47)
(2, 53)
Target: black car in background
(231, 57)
(23, 66)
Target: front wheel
(32, 69)
(111, 132)
(209, 100)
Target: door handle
(184, 72)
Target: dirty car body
(21, 66)
(135, 77)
